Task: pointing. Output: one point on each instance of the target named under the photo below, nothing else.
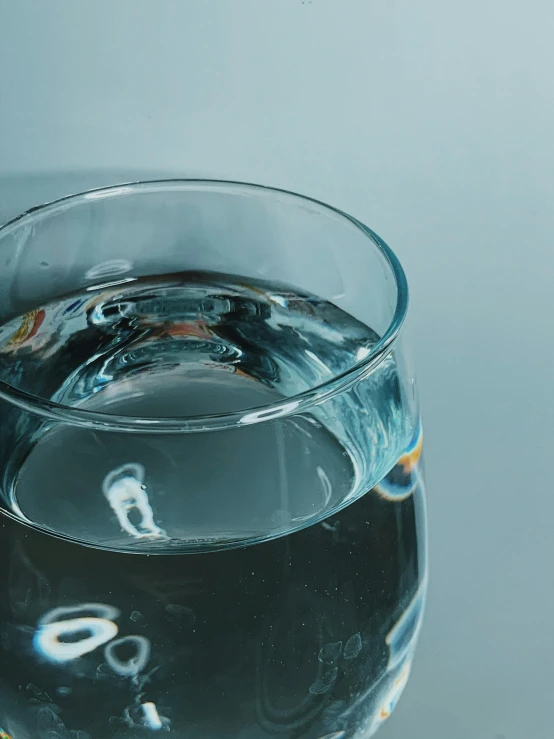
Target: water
(278, 574)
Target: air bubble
(353, 647)
(330, 653)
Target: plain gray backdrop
(431, 121)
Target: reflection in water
(124, 490)
(330, 652)
(132, 666)
(66, 633)
(53, 636)
(47, 639)
(100, 610)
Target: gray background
(431, 121)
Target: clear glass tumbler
(213, 516)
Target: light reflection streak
(402, 637)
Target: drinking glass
(213, 517)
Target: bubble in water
(132, 666)
(138, 618)
(63, 691)
(353, 647)
(330, 653)
(325, 679)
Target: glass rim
(298, 403)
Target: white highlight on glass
(108, 193)
(402, 637)
(394, 693)
(47, 637)
(124, 490)
(132, 666)
(151, 716)
(325, 483)
(268, 415)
